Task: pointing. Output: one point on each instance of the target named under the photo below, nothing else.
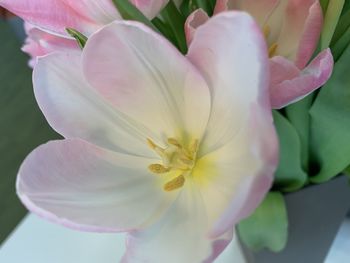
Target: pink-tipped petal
(53, 15)
(310, 36)
(193, 21)
(147, 79)
(301, 27)
(180, 236)
(89, 188)
(39, 43)
(100, 12)
(241, 173)
(151, 8)
(240, 148)
(293, 85)
(75, 110)
(231, 53)
(260, 10)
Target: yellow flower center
(175, 158)
(272, 47)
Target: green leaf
(342, 43)
(129, 12)
(267, 227)
(332, 15)
(330, 123)
(79, 37)
(324, 5)
(298, 115)
(289, 175)
(172, 17)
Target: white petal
(181, 236)
(147, 79)
(75, 110)
(86, 187)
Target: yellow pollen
(176, 157)
(158, 168)
(272, 49)
(175, 183)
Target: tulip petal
(290, 84)
(75, 110)
(181, 236)
(260, 10)
(239, 154)
(85, 187)
(53, 15)
(230, 51)
(300, 31)
(235, 178)
(100, 12)
(310, 35)
(150, 8)
(147, 79)
(193, 21)
(40, 43)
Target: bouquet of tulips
(184, 121)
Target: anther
(266, 31)
(158, 168)
(174, 142)
(175, 183)
(272, 49)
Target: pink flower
(40, 43)
(47, 20)
(174, 150)
(292, 29)
(85, 16)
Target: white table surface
(39, 241)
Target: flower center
(272, 47)
(175, 158)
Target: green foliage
(79, 37)
(330, 123)
(267, 227)
(129, 12)
(289, 175)
(23, 126)
(334, 9)
(174, 21)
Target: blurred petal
(302, 23)
(147, 79)
(75, 110)
(310, 36)
(150, 8)
(181, 236)
(231, 53)
(193, 21)
(39, 43)
(260, 10)
(53, 15)
(100, 12)
(88, 188)
(290, 84)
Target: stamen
(186, 161)
(155, 147)
(158, 168)
(272, 49)
(174, 184)
(266, 31)
(151, 144)
(193, 147)
(174, 142)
